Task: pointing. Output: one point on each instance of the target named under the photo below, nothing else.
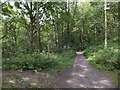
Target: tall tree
(106, 28)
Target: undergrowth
(40, 61)
(103, 58)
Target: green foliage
(27, 61)
(39, 61)
(60, 50)
(65, 60)
(103, 58)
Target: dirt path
(82, 75)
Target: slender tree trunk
(81, 36)
(15, 38)
(106, 30)
(82, 32)
(31, 29)
(72, 22)
(68, 35)
(95, 32)
(48, 46)
(38, 29)
(68, 27)
(74, 11)
(55, 35)
(62, 36)
(39, 40)
(58, 35)
(118, 62)
(31, 39)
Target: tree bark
(62, 36)
(31, 29)
(95, 32)
(106, 30)
(38, 29)
(68, 27)
(55, 35)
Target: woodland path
(82, 75)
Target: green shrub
(39, 61)
(103, 58)
(36, 61)
(59, 50)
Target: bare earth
(82, 75)
(26, 79)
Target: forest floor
(80, 75)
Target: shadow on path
(82, 75)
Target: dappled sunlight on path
(82, 75)
(25, 79)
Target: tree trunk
(106, 31)
(39, 41)
(58, 35)
(68, 27)
(62, 36)
(38, 30)
(48, 46)
(55, 35)
(72, 22)
(15, 38)
(95, 32)
(31, 29)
